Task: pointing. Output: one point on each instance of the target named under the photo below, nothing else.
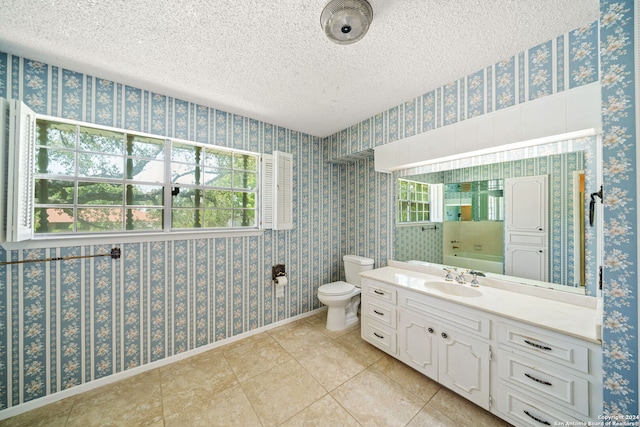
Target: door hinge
(490, 354)
(490, 401)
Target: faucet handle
(475, 274)
(448, 277)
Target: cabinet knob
(539, 228)
(430, 330)
(444, 335)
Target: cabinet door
(464, 365)
(418, 342)
(526, 204)
(528, 262)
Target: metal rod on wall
(114, 254)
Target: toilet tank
(354, 264)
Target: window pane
(100, 165)
(244, 200)
(144, 195)
(216, 218)
(140, 146)
(98, 193)
(52, 191)
(184, 153)
(100, 219)
(144, 219)
(245, 180)
(218, 199)
(220, 159)
(188, 198)
(147, 170)
(55, 162)
(185, 218)
(101, 141)
(245, 162)
(244, 218)
(53, 220)
(55, 134)
(217, 178)
(183, 174)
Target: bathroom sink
(453, 288)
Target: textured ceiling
(270, 60)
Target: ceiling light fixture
(346, 21)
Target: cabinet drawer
(545, 381)
(527, 411)
(452, 314)
(551, 348)
(380, 291)
(381, 312)
(380, 336)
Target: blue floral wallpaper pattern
(70, 322)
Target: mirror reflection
(521, 214)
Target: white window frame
(54, 239)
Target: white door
(528, 262)
(526, 204)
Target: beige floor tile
(323, 413)
(228, 408)
(319, 321)
(281, 392)
(255, 356)
(136, 401)
(207, 372)
(302, 337)
(374, 399)
(52, 415)
(464, 412)
(331, 365)
(431, 417)
(409, 378)
(354, 343)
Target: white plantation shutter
(17, 156)
(277, 191)
(267, 191)
(283, 214)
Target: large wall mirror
(470, 212)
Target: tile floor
(298, 374)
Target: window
(413, 201)
(90, 179)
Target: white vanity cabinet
(546, 378)
(526, 374)
(437, 344)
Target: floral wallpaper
(619, 117)
(70, 322)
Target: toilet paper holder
(278, 270)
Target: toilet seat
(336, 288)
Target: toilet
(343, 298)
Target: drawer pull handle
(378, 313)
(444, 335)
(378, 335)
(378, 292)
(541, 347)
(430, 330)
(531, 377)
(541, 421)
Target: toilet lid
(336, 288)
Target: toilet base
(337, 320)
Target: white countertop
(572, 319)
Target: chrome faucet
(448, 277)
(475, 282)
(460, 278)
